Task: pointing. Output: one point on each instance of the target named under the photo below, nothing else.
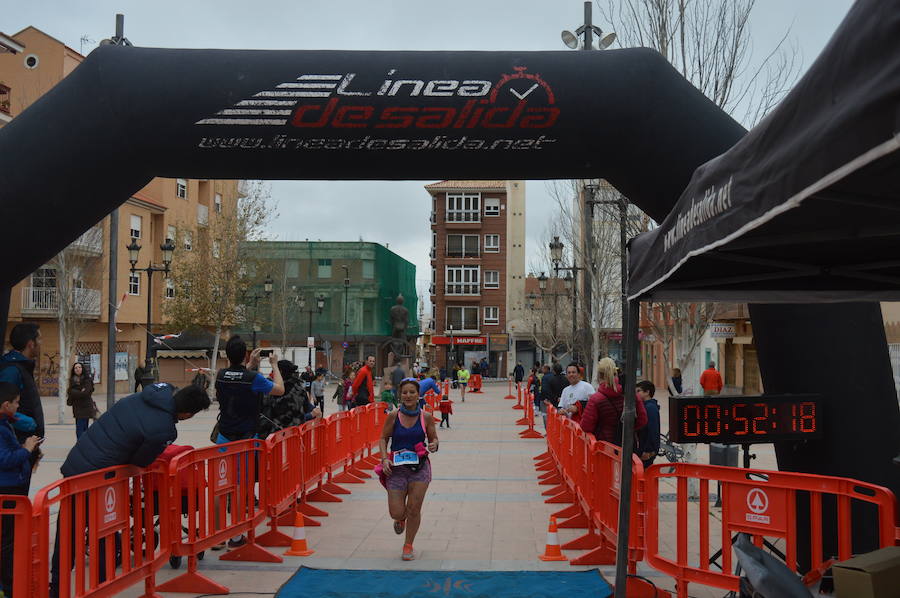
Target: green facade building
(315, 272)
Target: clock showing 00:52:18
(753, 419)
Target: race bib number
(406, 458)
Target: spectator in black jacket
(552, 386)
(134, 431)
(648, 437)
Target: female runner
(408, 470)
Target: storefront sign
(459, 340)
(721, 330)
(499, 342)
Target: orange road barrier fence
(530, 432)
(761, 503)
(218, 484)
(106, 539)
(509, 390)
(519, 394)
(17, 510)
(475, 383)
(586, 473)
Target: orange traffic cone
(552, 551)
(298, 544)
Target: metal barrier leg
(322, 495)
(193, 582)
(579, 521)
(569, 511)
(251, 551)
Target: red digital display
(744, 419)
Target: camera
(265, 353)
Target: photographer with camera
(240, 391)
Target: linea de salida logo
(519, 100)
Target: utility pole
(113, 290)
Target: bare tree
(212, 273)
(76, 298)
(680, 327)
(597, 249)
(708, 41)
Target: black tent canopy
(804, 207)
(803, 211)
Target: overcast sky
(338, 211)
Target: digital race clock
(755, 419)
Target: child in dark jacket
(648, 438)
(15, 473)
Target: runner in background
(406, 470)
(462, 376)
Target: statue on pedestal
(399, 323)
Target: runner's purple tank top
(406, 438)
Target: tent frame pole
(628, 413)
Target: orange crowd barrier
(587, 473)
(214, 488)
(763, 504)
(19, 509)
(106, 532)
(529, 411)
(519, 394)
(118, 526)
(475, 383)
(509, 390)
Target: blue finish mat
(328, 583)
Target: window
(170, 288)
(44, 278)
(462, 280)
(134, 283)
(181, 188)
(135, 227)
(492, 243)
(202, 214)
(216, 250)
(492, 206)
(491, 315)
(463, 207)
(217, 203)
(368, 269)
(492, 279)
(188, 240)
(292, 269)
(170, 233)
(461, 318)
(324, 268)
(462, 245)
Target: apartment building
(477, 270)
(150, 216)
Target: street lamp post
(320, 303)
(587, 31)
(133, 250)
(450, 347)
(571, 282)
(255, 297)
(346, 291)
(621, 202)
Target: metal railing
(462, 288)
(45, 300)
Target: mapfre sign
(459, 340)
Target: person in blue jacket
(15, 473)
(425, 385)
(648, 437)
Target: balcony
(89, 243)
(44, 301)
(467, 289)
(431, 289)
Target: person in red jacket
(603, 415)
(363, 388)
(711, 380)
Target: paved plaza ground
(484, 509)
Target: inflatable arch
(128, 114)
